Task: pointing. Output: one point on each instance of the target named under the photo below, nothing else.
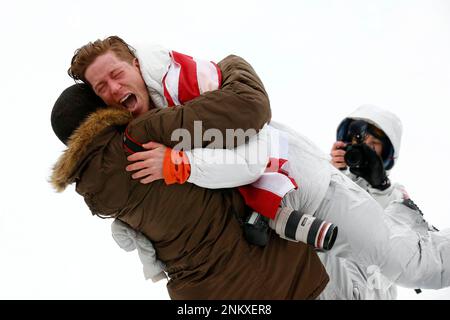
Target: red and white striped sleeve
(188, 77)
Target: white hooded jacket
(391, 125)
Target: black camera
(256, 229)
(364, 162)
(355, 156)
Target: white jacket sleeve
(429, 263)
(225, 168)
(129, 239)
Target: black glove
(372, 169)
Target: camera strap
(130, 144)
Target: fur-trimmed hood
(63, 170)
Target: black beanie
(72, 107)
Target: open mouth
(129, 101)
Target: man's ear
(136, 63)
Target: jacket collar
(77, 147)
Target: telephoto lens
(293, 225)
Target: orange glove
(176, 167)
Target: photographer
(367, 147)
(372, 135)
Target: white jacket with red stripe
(154, 62)
(223, 168)
(210, 168)
(172, 78)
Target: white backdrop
(318, 59)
